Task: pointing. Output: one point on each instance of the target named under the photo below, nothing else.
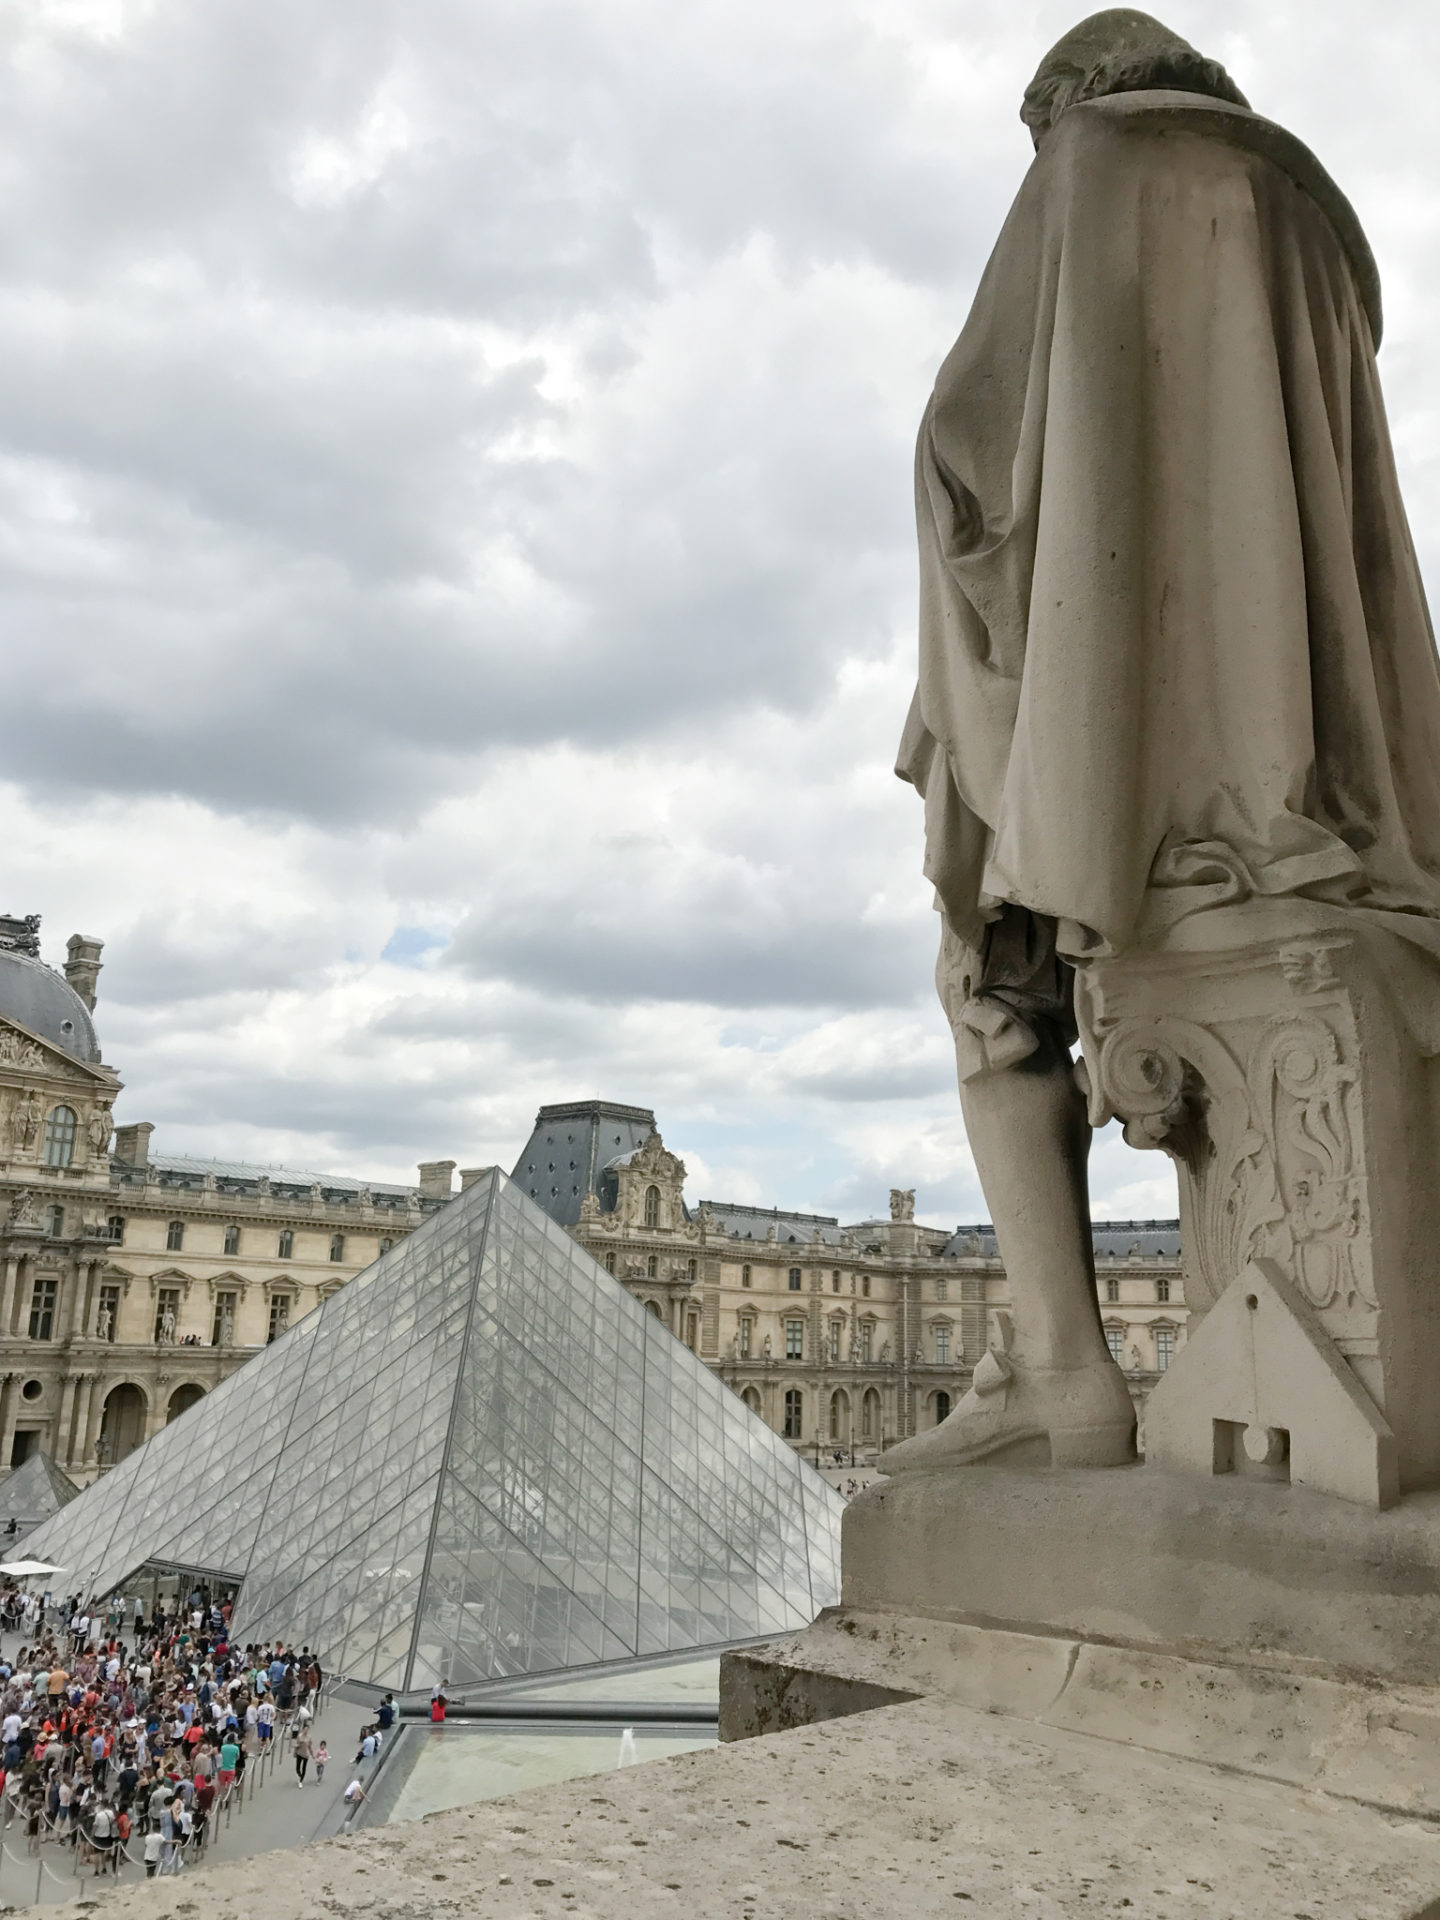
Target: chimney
(435, 1179)
(132, 1143)
(469, 1175)
(82, 967)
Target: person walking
(322, 1755)
(301, 1748)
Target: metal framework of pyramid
(482, 1457)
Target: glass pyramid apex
(480, 1458)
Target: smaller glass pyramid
(480, 1458)
(32, 1492)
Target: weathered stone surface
(1377, 1744)
(923, 1809)
(1138, 1557)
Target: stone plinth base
(1229, 1567)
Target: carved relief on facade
(1260, 1112)
(18, 1051)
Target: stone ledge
(922, 1809)
(1379, 1746)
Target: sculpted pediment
(27, 1052)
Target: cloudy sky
(456, 556)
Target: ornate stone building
(132, 1282)
(843, 1338)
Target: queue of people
(126, 1736)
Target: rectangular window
(742, 1337)
(337, 1246)
(222, 1330)
(1164, 1347)
(115, 1229)
(1115, 1340)
(1162, 1287)
(175, 1236)
(745, 1276)
(167, 1315)
(794, 1414)
(1112, 1289)
(794, 1279)
(42, 1309)
(867, 1340)
(865, 1286)
(942, 1346)
(286, 1248)
(55, 1223)
(107, 1314)
(942, 1290)
(279, 1316)
(835, 1281)
(834, 1345)
(794, 1339)
(232, 1240)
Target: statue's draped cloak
(1174, 649)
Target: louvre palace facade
(844, 1339)
(132, 1282)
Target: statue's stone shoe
(1014, 1416)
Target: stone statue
(100, 1130)
(1177, 697)
(25, 1209)
(103, 1322)
(902, 1203)
(765, 1346)
(167, 1322)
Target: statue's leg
(1056, 1386)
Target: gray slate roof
(1114, 1240)
(754, 1223)
(37, 997)
(571, 1147)
(244, 1176)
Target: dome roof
(35, 996)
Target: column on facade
(61, 1434)
(9, 1405)
(84, 1453)
(75, 1304)
(17, 1297)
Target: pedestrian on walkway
(301, 1748)
(322, 1754)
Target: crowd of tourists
(125, 1735)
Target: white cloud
(454, 486)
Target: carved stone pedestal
(1294, 1083)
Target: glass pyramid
(482, 1457)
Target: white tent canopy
(23, 1569)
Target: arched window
(610, 1262)
(653, 1306)
(942, 1407)
(794, 1414)
(60, 1137)
(839, 1416)
(652, 1206)
(693, 1270)
(232, 1240)
(865, 1286)
(751, 1397)
(794, 1279)
(870, 1415)
(652, 1267)
(285, 1247)
(337, 1246)
(175, 1236)
(1162, 1285)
